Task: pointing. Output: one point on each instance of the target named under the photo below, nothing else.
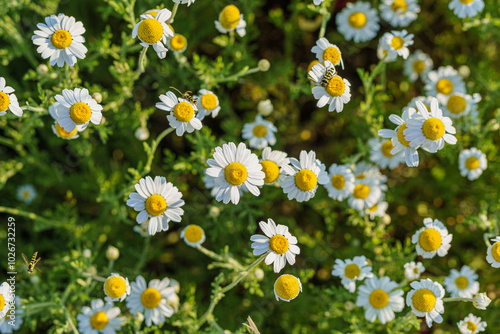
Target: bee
(31, 265)
(188, 95)
(328, 76)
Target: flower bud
(481, 301)
(87, 253)
(97, 97)
(42, 69)
(265, 108)
(112, 253)
(264, 65)
(142, 133)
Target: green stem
(231, 38)
(142, 61)
(327, 15)
(38, 305)
(68, 317)
(238, 75)
(154, 146)
(209, 253)
(30, 108)
(457, 299)
(174, 11)
(144, 252)
(29, 215)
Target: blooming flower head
(471, 325)
(8, 324)
(177, 43)
(8, 101)
(481, 301)
(472, 163)
(193, 235)
(272, 162)
(459, 105)
(418, 64)
(287, 287)
(157, 200)
(318, 2)
(380, 297)
(184, 2)
(366, 194)
(350, 271)
(413, 270)
(462, 283)
(207, 103)
(341, 182)
(76, 109)
(26, 193)
(426, 100)
(280, 245)
(99, 318)
(381, 155)
(396, 43)
(377, 210)
(358, 21)
(432, 239)
(60, 39)
(260, 133)
(325, 50)
(493, 253)
(329, 87)
(6, 297)
(142, 229)
(231, 19)
(153, 30)
(399, 13)
(58, 129)
(466, 8)
(182, 116)
(116, 288)
(426, 300)
(444, 82)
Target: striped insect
(31, 264)
(186, 96)
(327, 77)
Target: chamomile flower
(426, 300)
(151, 299)
(399, 13)
(380, 297)
(459, 105)
(432, 239)
(77, 108)
(193, 235)
(116, 288)
(58, 129)
(358, 21)
(426, 100)
(341, 182)
(182, 113)
(418, 65)
(60, 39)
(481, 301)
(184, 2)
(350, 271)
(303, 177)
(157, 200)
(471, 325)
(472, 163)
(6, 297)
(177, 43)
(280, 245)
(153, 30)
(287, 287)
(366, 194)
(444, 82)
(413, 270)
(396, 43)
(99, 318)
(142, 229)
(271, 165)
(364, 170)
(8, 101)
(330, 88)
(466, 8)
(231, 19)
(384, 54)
(9, 324)
(207, 103)
(462, 283)
(233, 168)
(377, 210)
(493, 253)
(325, 50)
(26, 193)
(381, 155)
(260, 133)
(318, 2)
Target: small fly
(186, 96)
(31, 264)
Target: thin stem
(154, 146)
(239, 75)
(30, 108)
(174, 11)
(326, 17)
(68, 317)
(231, 38)
(244, 273)
(209, 253)
(144, 252)
(29, 215)
(457, 299)
(142, 61)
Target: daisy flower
(330, 88)
(99, 318)
(77, 108)
(380, 297)
(459, 105)
(151, 299)
(472, 163)
(466, 8)
(230, 19)
(152, 30)
(358, 21)
(381, 155)
(193, 235)
(116, 288)
(341, 182)
(8, 325)
(6, 298)
(182, 113)
(413, 270)
(481, 301)
(350, 271)
(287, 287)
(426, 100)
(207, 103)
(426, 300)
(325, 50)
(58, 129)
(26, 193)
(159, 201)
(399, 13)
(378, 210)
(8, 101)
(429, 130)
(366, 194)
(60, 39)
(184, 2)
(432, 239)
(493, 253)
(444, 82)
(303, 176)
(280, 245)
(142, 229)
(396, 43)
(271, 165)
(384, 54)
(260, 132)
(233, 168)
(471, 325)
(364, 170)
(318, 2)
(177, 43)
(418, 64)
(462, 283)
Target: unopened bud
(87, 253)
(142, 133)
(112, 253)
(42, 69)
(265, 108)
(264, 65)
(97, 97)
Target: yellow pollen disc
(433, 128)
(209, 101)
(311, 64)
(399, 5)
(335, 87)
(63, 133)
(152, 12)
(472, 163)
(229, 17)
(379, 298)
(387, 148)
(495, 251)
(361, 191)
(178, 42)
(115, 286)
(259, 131)
(306, 180)
(332, 54)
(351, 271)
(465, 2)
(456, 104)
(150, 298)
(183, 111)
(444, 86)
(26, 194)
(80, 113)
(397, 42)
(150, 31)
(61, 39)
(4, 101)
(415, 270)
(470, 325)
(2, 302)
(271, 169)
(287, 287)
(278, 244)
(461, 282)
(418, 66)
(99, 320)
(235, 173)
(424, 300)
(373, 208)
(430, 240)
(156, 205)
(193, 233)
(338, 182)
(357, 20)
(360, 177)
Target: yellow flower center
(399, 5)
(332, 54)
(26, 194)
(311, 64)
(338, 182)
(99, 320)
(429, 240)
(397, 42)
(461, 282)
(61, 39)
(2, 302)
(357, 20)
(373, 208)
(351, 271)
(115, 286)
(63, 133)
(424, 300)
(183, 111)
(465, 2)
(495, 251)
(401, 136)
(209, 101)
(150, 31)
(379, 298)
(271, 169)
(306, 180)
(156, 205)
(235, 173)
(178, 42)
(472, 163)
(151, 298)
(152, 12)
(335, 87)
(80, 113)
(418, 66)
(456, 104)
(287, 287)
(4, 101)
(361, 191)
(193, 233)
(470, 325)
(259, 131)
(433, 128)
(229, 17)
(387, 148)
(415, 270)
(444, 86)
(278, 244)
